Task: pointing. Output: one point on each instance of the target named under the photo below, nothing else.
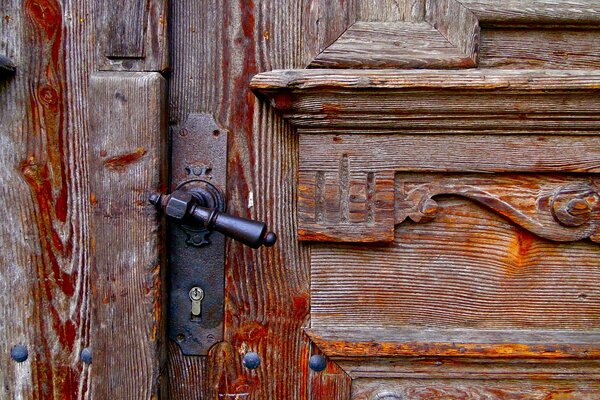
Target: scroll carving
(346, 203)
(559, 208)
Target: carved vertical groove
(344, 189)
(319, 196)
(370, 217)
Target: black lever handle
(184, 207)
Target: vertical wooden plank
(217, 47)
(44, 240)
(127, 157)
(390, 10)
(125, 30)
(132, 35)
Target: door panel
(465, 201)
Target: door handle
(190, 207)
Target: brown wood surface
(542, 48)
(347, 184)
(467, 268)
(539, 389)
(478, 367)
(44, 239)
(346, 343)
(533, 13)
(490, 101)
(457, 24)
(132, 35)
(413, 34)
(392, 45)
(128, 163)
(217, 47)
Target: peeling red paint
(122, 161)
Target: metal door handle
(189, 208)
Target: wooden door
(430, 167)
(424, 182)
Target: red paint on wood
(122, 161)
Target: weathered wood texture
(467, 268)
(363, 344)
(217, 47)
(132, 35)
(331, 383)
(44, 240)
(392, 45)
(457, 24)
(541, 49)
(347, 189)
(323, 23)
(471, 367)
(534, 13)
(128, 162)
(537, 389)
(187, 376)
(448, 102)
(438, 34)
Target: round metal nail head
(251, 360)
(317, 363)
(19, 353)
(86, 355)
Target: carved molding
(357, 206)
(435, 101)
(436, 33)
(556, 208)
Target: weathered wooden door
(430, 167)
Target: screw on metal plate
(196, 295)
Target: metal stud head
(317, 363)
(86, 355)
(251, 360)
(19, 353)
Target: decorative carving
(575, 206)
(555, 208)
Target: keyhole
(196, 296)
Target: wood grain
(217, 47)
(323, 23)
(523, 346)
(540, 48)
(540, 389)
(128, 162)
(458, 25)
(132, 35)
(186, 376)
(548, 13)
(467, 268)
(479, 367)
(435, 102)
(392, 45)
(386, 10)
(44, 275)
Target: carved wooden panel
(454, 215)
